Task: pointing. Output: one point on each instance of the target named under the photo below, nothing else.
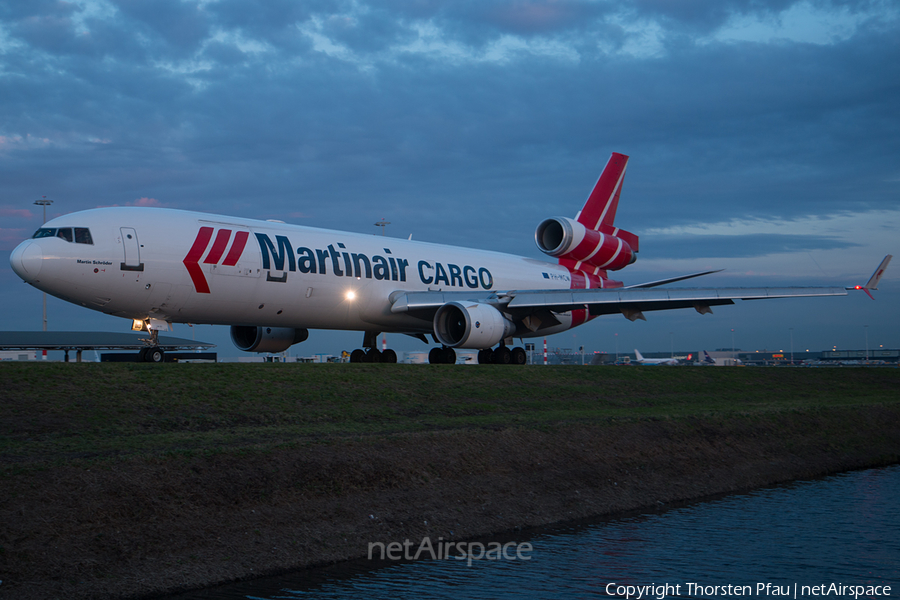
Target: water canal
(842, 530)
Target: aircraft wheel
(357, 356)
(142, 355)
(519, 356)
(435, 356)
(154, 355)
(389, 356)
(373, 355)
(449, 356)
(485, 356)
(502, 356)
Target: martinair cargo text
(273, 282)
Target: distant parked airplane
(654, 361)
(707, 360)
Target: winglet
(872, 284)
(876, 276)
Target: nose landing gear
(152, 353)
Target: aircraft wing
(629, 301)
(650, 284)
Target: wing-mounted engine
(607, 248)
(471, 325)
(266, 339)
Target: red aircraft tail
(591, 245)
(599, 211)
(601, 205)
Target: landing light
(350, 295)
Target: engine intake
(266, 339)
(471, 325)
(566, 238)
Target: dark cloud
(706, 15)
(224, 55)
(480, 23)
(703, 17)
(176, 27)
(37, 10)
(738, 246)
(267, 20)
(374, 31)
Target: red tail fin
(601, 205)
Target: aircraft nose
(26, 260)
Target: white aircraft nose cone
(26, 260)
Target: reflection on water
(843, 529)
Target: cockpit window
(44, 232)
(83, 236)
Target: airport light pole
(867, 342)
(44, 203)
(382, 223)
(733, 355)
(617, 347)
(792, 346)
(672, 343)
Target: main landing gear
(502, 355)
(442, 356)
(370, 354)
(373, 355)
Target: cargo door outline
(241, 263)
(132, 250)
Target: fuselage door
(132, 250)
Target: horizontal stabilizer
(630, 238)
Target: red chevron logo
(201, 243)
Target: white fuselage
(190, 267)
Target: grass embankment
(56, 413)
(129, 479)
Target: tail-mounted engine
(471, 325)
(266, 339)
(609, 248)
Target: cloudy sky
(764, 138)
